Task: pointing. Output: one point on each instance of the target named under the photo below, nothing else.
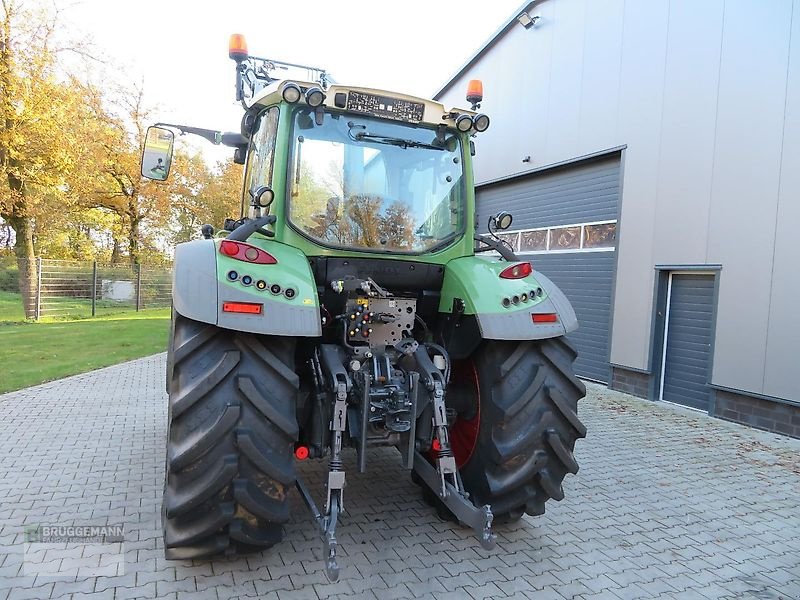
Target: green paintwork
(284, 233)
(292, 270)
(473, 278)
(476, 280)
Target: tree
(397, 227)
(202, 195)
(37, 146)
(122, 119)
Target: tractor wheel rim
(464, 432)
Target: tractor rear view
(351, 306)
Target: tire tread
(232, 427)
(529, 425)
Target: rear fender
(476, 281)
(203, 281)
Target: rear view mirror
(157, 155)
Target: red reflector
(545, 317)
(436, 446)
(246, 252)
(249, 308)
(301, 452)
(229, 248)
(517, 271)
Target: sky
(178, 48)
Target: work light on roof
(291, 92)
(315, 97)
(481, 123)
(463, 123)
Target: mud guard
(474, 285)
(203, 281)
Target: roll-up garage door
(565, 223)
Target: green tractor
(351, 306)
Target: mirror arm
(249, 227)
(499, 246)
(215, 137)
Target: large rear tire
(232, 428)
(518, 422)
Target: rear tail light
(517, 271)
(248, 308)
(544, 317)
(246, 253)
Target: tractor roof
(432, 112)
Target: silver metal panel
(194, 281)
(783, 333)
(565, 78)
(747, 169)
(688, 131)
(603, 38)
(519, 325)
(562, 304)
(279, 317)
(688, 341)
(644, 51)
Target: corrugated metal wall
(587, 280)
(579, 193)
(561, 196)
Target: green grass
(11, 307)
(61, 309)
(32, 353)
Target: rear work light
(248, 308)
(517, 271)
(544, 317)
(246, 253)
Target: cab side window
(262, 151)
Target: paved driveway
(668, 503)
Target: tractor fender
(475, 281)
(562, 305)
(202, 285)
(519, 325)
(194, 281)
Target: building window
(565, 238)
(599, 236)
(533, 240)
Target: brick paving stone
(209, 594)
(305, 594)
(657, 510)
(32, 593)
(489, 590)
(104, 595)
(396, 592)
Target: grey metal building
(650, 154)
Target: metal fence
(66, 288)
